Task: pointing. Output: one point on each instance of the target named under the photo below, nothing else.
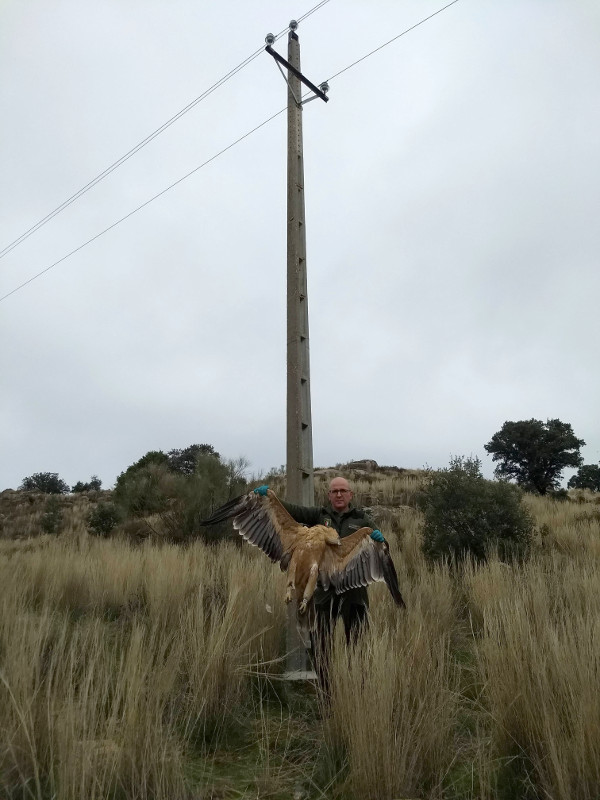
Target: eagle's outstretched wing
(262, 521)
(359, 561)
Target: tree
(534, 453)
(587, 477)
(185, 461)
(93, 485)
(467, 515)
(135, 474)
(182, 486)
(146, 489)
(195, 496)
(47, 482)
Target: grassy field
(154, 671)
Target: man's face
(339, 494)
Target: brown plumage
(310, 555)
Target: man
(352, 606)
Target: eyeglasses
(339, 491)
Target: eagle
(310, 555)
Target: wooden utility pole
(299, 451)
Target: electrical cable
(126, 157)
(147, 140)
(146, 203)
(212, 158)
(312, 11)
(377, 49)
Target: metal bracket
(281, 60)
(285, 78)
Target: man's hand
(262, 490)
(376, 535)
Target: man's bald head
(340, 494)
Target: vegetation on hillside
(47, 482)
(466, 516)
(587, 477)
(535, 453)
(149, 670)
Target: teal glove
(377, 535)
(262, 490)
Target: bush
(151, 484)
(103, 519)
(212, 484)
(185, 461)
(183, 487)
(93, 485)
(47, 482)
(52, 518)
(559, 495)
(587, 477)
(467, 515)
(146, 489)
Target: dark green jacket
(345, 524)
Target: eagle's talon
(302, 607)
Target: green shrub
(587, 477)
(185, 461)
(560, 495)
(183, 487)
(52, 518)
(103, 519)
(212, 484)
(145, 490)
(47, 482)
(136, 530)
(467, 515)
(93, 485)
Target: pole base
(300, 675)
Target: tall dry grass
(116, 664)
(538, 653)
(394, 488)
(394, 705)
(151, 672)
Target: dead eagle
(309, 555)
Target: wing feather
(359, 561)
(262, 521)
(254, 531)
(257, 529)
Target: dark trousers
(355, 619)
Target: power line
(308, 13)
(143, 205)
(212, 158)
(126, 157)
(16, 242)
(377, 49)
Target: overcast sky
(452, 214)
